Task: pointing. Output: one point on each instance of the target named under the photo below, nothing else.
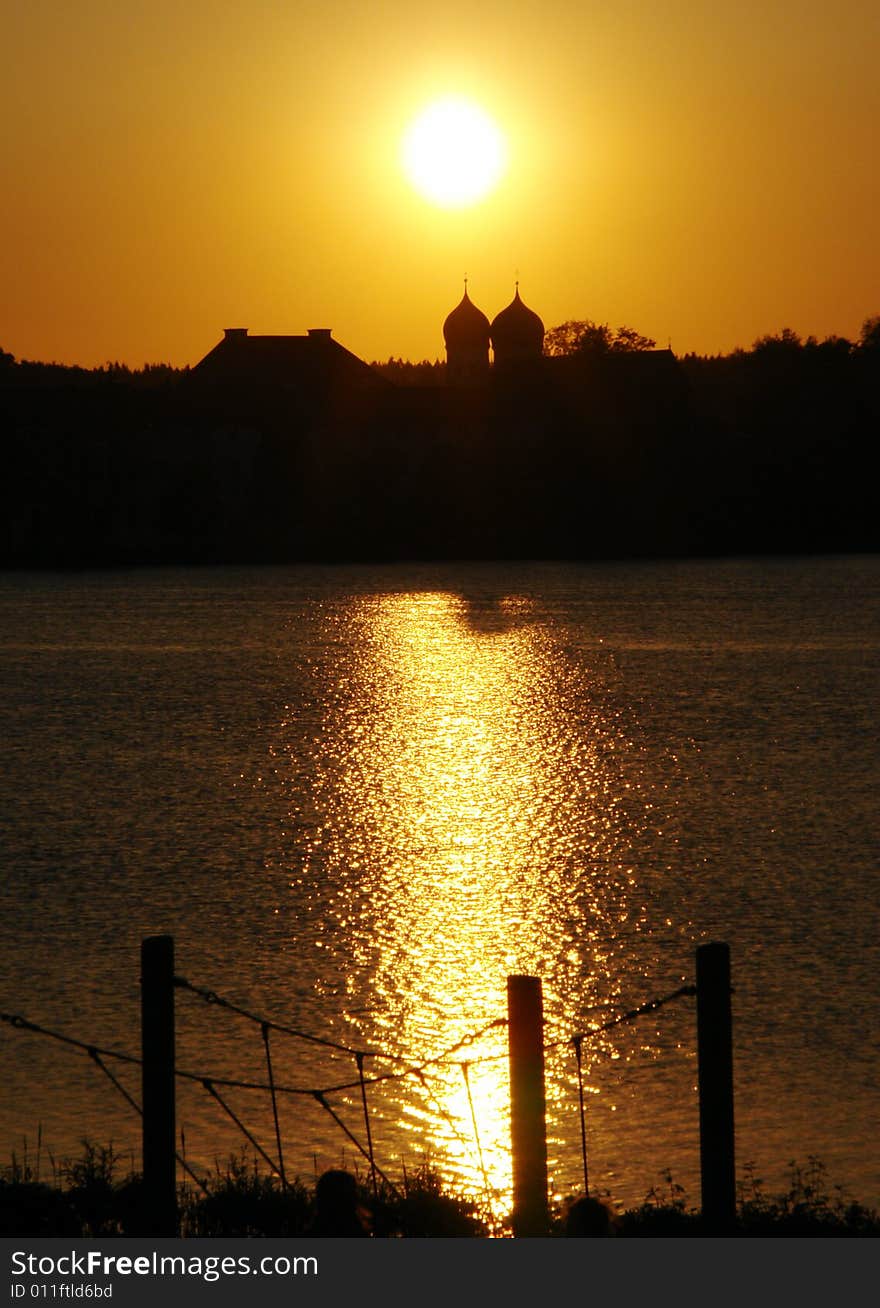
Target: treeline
(585, 339)
(26, 372)
(403, 373)
(581, 337)
(785, 434)
(611, 449)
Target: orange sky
(704, 175)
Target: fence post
(715, 1067)
(525, 1034)
(157, 1051)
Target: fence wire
(415, 1069)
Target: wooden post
(525, 1034)
(157, 1051)
(715, 1067)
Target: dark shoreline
(125, 566)
(766, 453)
(94, 1200)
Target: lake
(361, 797)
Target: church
(504, 355)
(516, 337)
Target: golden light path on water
(359, 797)
(471, 790)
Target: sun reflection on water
(461, 833)
(358, 809)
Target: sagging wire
(212, 1090)
(360, 1068)
(467, 1081)
(633, 1013)
(97, 1060)
(444, 1113)
(209, 996)
(414, 1070)
(281, 1172)
(20, 1023)
(320, 1097)
(212, 997)
(576, 1042)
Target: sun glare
(453, 153)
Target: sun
(453, 153)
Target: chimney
(234, 333)
(320, 333)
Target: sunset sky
(705, 175)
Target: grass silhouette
(99, 1194)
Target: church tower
(466, 333)
(517, 335)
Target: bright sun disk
(453, 153)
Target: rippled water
(360, 798)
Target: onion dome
(466, 328)
(517, 331)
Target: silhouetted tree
(577, 337)
(869, 336)
(584, 337)
(787, 340)
(836, 345)
(404, 373)
(629, 341)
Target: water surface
(360, 798)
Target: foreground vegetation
(96, 1195)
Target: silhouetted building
(466, 333)
(286, 363)
(517, 335)
(626, 382)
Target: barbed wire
(650, 1006)
(417, 1069)
(18, 1022)
(212, 997)
(212, 1090)
(465, 1071)
(321, 1098)
(413, 1070)
(97, 1056)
